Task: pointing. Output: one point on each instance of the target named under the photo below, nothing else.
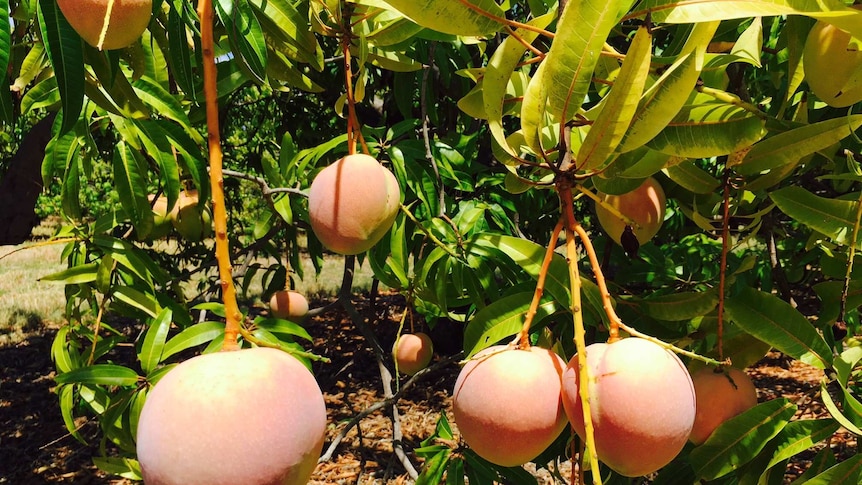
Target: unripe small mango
(288, 305)
(254, 416)
(412, 352)
(507, 405)
(642, 404)
(128, 20)
(644, 205)
(721, 395)
(353, 203)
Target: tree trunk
(20, 187)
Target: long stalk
(231, 308)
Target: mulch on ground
(35, 447)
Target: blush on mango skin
(642, 404)
(720, 396)
(128, 20)
(288, 305)
(413, 352)
(507, 403)
(253, 416)
(353, 203)
(644, 205)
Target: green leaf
(848, 471)
(662, 101)
(144, 302)
(619, 106)
(741, 438)
(824, 459)
(45, 94)
(679, 306)
(775, 322)
(456, 17)
(502, 318)
(706, 127)
(130, 181)
(121, 466)
(179, 52)
(498, 73)
(791, 145)
(60, 352)
(288, 28)
(832, 217)
(101, 375)
(5, 50)
(76, 275)
(64, 48)
(154, 341)
(799, 436)
(244, 34)
(193, 336)
(278, 325)
(836, 413)
(432, 471)
(163, 102)
(692, 177)
(67, 409)
(564, 77)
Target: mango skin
(288, 305)
(253, 416)
(412, 352)
(353, 203)
(642, 404)
(833, 71)
(645, 205)
(507, 403)
(191, 220)
(129, 19)
(720, 396)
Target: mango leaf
(244, 34)
(435, 466)
(564, 77)
(502, 318)
(179, 53)
(692, 177)
(832, 217)
(848, 471)
(154, 341)
(456, 17)
(84, 273)
(679, 306)
(663, 100)
(835, 412)
(67, 408)
(130, 180)
(619, 106)
(278, 325)
(790, 146)
(691, 11)
(288, 30)
(100, 375)
(706, 127)
(740, 439)
(799, 436)
(776, 322)
(193, 336)
(137, 299)
(64, 49)
(529, 255)
(5, 49)
(824, 459)
(61, 354)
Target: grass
(28, 305)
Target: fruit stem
(845, 290)
(222, 248)
(568, 218)
(613, 210)
(353, 125)
(437, 242)
(292, 351)
(105, 23)
(524, 335)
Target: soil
(35, 447)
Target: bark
(20, 187)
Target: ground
(36, 449)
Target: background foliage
(476, 106)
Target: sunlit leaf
(848, 471)
(244, 34)
(154, 341)
(792, 145)
(679, 306)
(193, 336)
(501, 319)
(99, 374)
(832, 217)
(457, 17)
(741, 438)
(799, 436)
(776, 322)
(692, 177)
